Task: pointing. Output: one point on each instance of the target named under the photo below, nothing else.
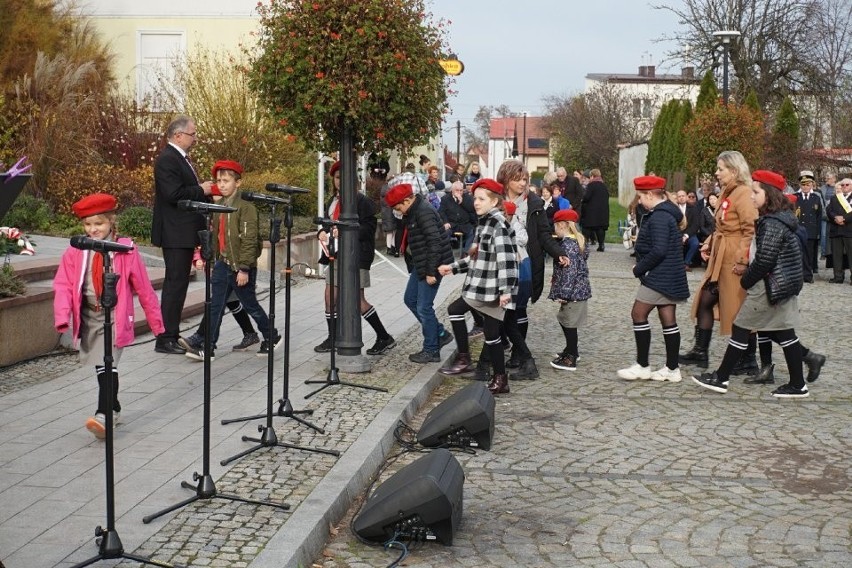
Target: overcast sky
(517, 52)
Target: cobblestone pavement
(585, 470)
(589, 470)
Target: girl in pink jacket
(78, 286)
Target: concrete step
(40, 273)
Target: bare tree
(588, 128)
(831, 53)
(773, 55)
(477, 137)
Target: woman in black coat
(594, 214)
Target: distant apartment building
(648, 90)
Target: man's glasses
(192, 134)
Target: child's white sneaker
(666, 374)
(97, 425)
(635, 372)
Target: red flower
(319, 75)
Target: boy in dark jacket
(425, 246)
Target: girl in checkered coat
(492, 278)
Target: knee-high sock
(737, 346)
(792, 355)
(372, 318)
(103, 400)
(764, 345)
(523, 321)
(241, 316)
(671, 337)
(642, 333)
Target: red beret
(94, 204)
(792, 198)
(489, 184)
(398, 193)
(510, 207)
(334, 167)
(566, 215)
(647, 183)
(769, 178)
(226, 165)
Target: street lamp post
(725, 37)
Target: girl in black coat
(659, 267)
(773, 280)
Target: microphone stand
(268, 438)
(110, 546)
(333, 377)
(206, 488)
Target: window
(156, 53)
(642, 108)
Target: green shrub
(29, 214)
(65, 225)
(10, 284)
(136, 222)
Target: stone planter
(26, 325)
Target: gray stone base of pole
(354, 363)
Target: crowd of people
(760, 239)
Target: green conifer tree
(751, 101)
(783, 151)
(708, 94)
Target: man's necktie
(192, 167)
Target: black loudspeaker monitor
(466, 419)
(421, 502)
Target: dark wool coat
(573, 192)
(595, 206)
(366, 230)
(540, 241)
(461, 217)
(777, 257)
(659, 252)
(428, 243)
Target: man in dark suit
(690, 233)
(176, 230)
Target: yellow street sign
(452, 66)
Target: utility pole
(458, 142)
(524, 143)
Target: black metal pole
(110, 546)
(458, 142)
(349, 297)
(725, 74)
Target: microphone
(85, 243)
(204, 207)
(331, 222)
(288, 189)
(263, 198)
